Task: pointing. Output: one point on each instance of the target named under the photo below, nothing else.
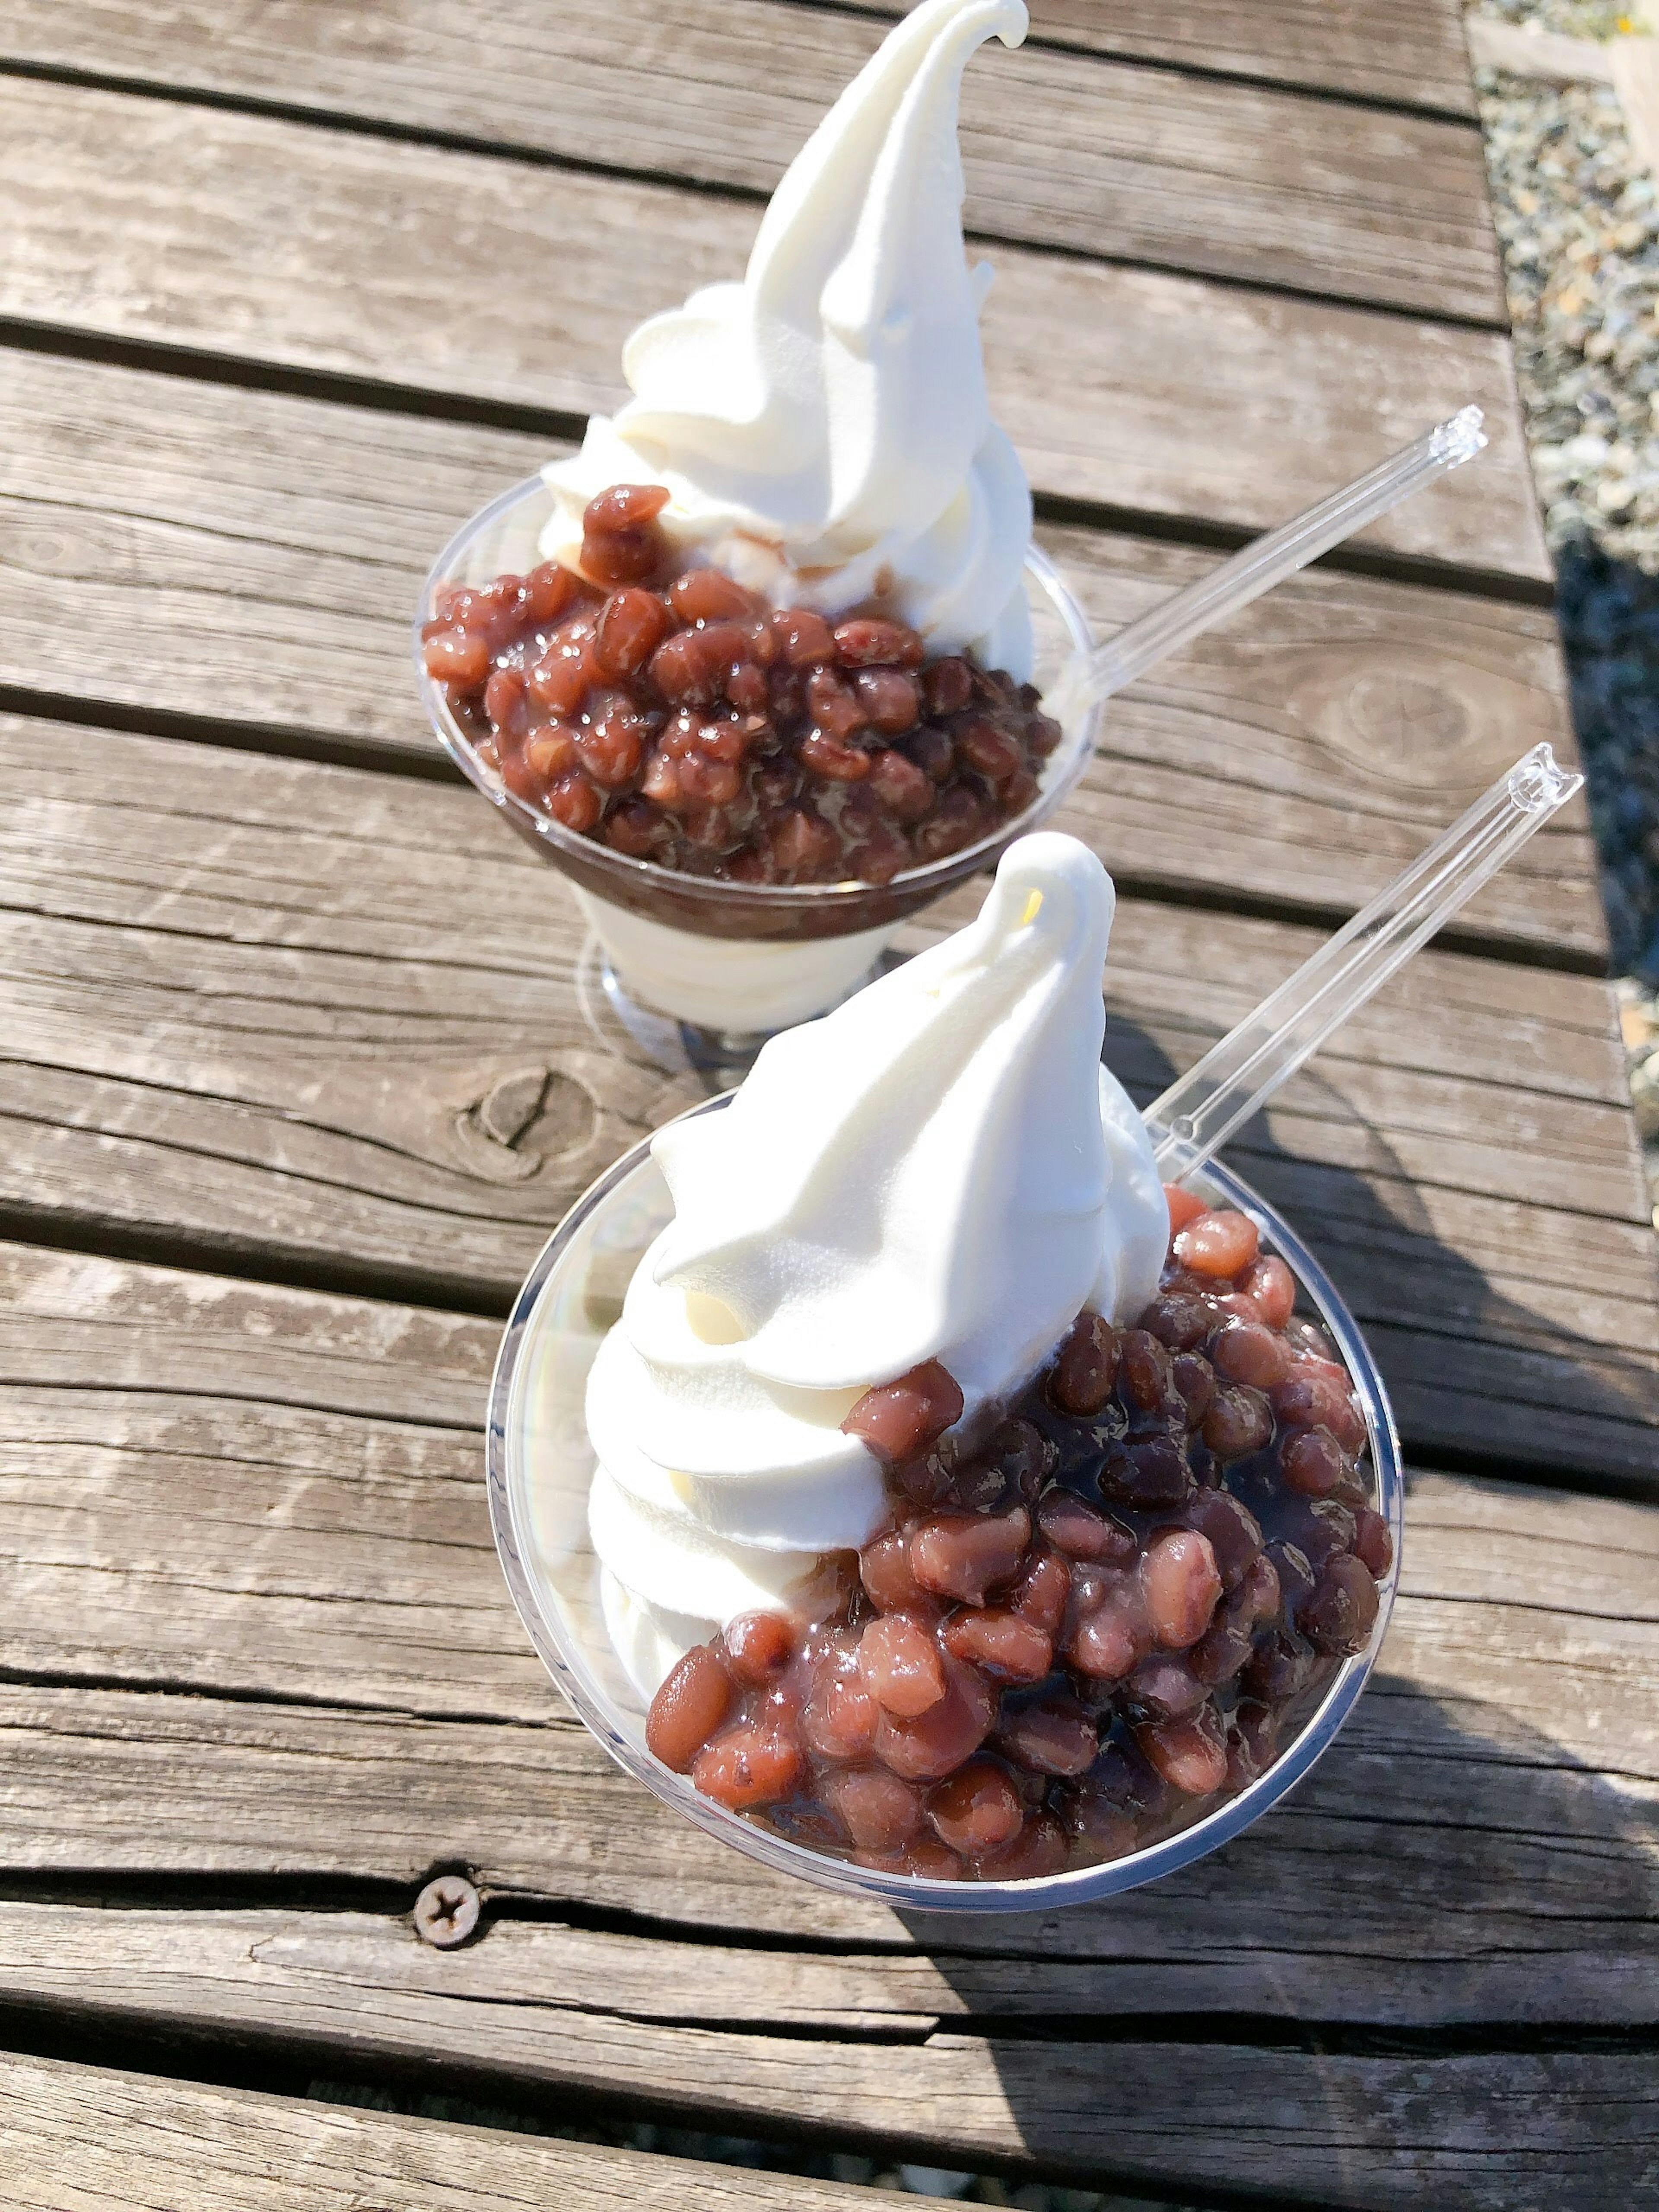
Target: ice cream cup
(732, 958)
(540, 1465)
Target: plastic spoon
(1197, 1115)
(1260, 566)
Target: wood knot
(527, 1117)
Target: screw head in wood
(446, 1912)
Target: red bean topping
(1271, 1286)
(1150, 1473)
(889, 699)
(901, 1665)
(903, 788)
(1041, 1593)
(1052, 1735)
(1240, 1422)
(706, 595)
(879, 1812)
(1178, 1320)
(803, 845)
(1372, 1541)
(1307, 1399)
(935, 1743)
(947, 686)
(1194, 1380)
(574, 801)
(457, 657)
(1191, 1754)
(1219, 1244)
(693, 1701)
(832, 759)
(1036, 1852)
(1167, 1687)
(1082, 1378)
(884, 1570)
(632, 624)
(549, 590)
(1182, 1585)
(1340, 1614)
(1005, 1645)
(758, 1647)
(1232, 1530)
(977, 1810)
(1184, 1205)
(900, 1420)
(840, 1717)
(1312, 1461)
(1075, 1528)
(933, 754)
(1148, 1381)
(1249, 1352)
(624, 507)
(1103, 1829)
(747, 1765)
(1109, 1642)
(867, 641)
(986, 746)
(966, 1556)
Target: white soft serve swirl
(823, 426)
(940, 1169)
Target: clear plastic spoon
(1197, 1115)
(1268, 561)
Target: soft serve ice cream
(942, 1170)
(823, 426)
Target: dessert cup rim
(509, 1520)
(1065, 766)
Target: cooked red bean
(1238, 1423)
(1041, 1593)
(1184, 1205)
(1099, 1826)
(1082, 1379)
(1072, 1526)
(758, 1647)
(1148, 1378)
(1191, 1754)
(1182, 1585)
(1037, 1851)
(1372, 1542)
(967, 1556)
(1234, 1532)
(1149, 1473)
(747, 1765)
(879, 1811)
(900, 1665)
(1168, 1687)
(884, 1569)
(900, 1420)
(1052, 1735)
(1219, 1244)
(1110, 1640)
(1178, 1320)
(1249, 1352)
(935, 1743)
(1312, 1461)
(840, 1717)
(1271, 1287)
(868, 640)
(457, 657)
(706, 595)
(1194, 1380)
(1003, 1644)
(1306, 1400)
(977, 1809)
(690, 1705)
(1340, 1614)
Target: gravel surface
(1579, 224)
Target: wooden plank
(78, 2138)
(1406, 50)
(258, 241)
(254, 558)
(1477, 2132)
(251, 1624)
(233, 1018)
(1062, 149)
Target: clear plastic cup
(735, 958)
(540, 1465)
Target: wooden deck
(287, 292)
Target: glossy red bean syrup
(664, 711)
(1086, 1633)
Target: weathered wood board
(252, 240)
(76, 2137)
(1062, 149)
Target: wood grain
(254, 240)
(251, 1624)
(1060, 149)
(263, 1005)
(1409, 51)
(254, 558)
(84, 2138)
(1480, 2132)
